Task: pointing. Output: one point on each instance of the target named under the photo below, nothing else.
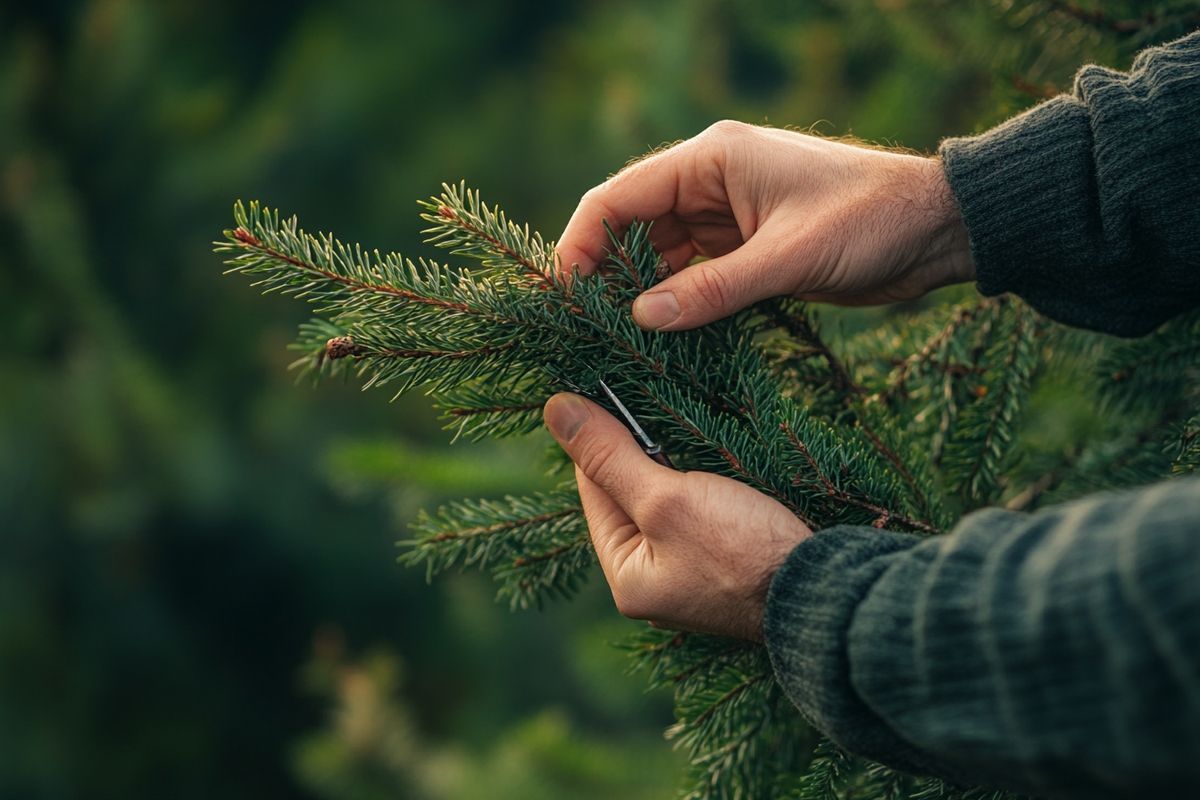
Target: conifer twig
(252, 242)
(1097, 18)
(831, 490)
(462, 411)
(532, 270)
(345, 347)
(730, 696)
(736, 465)
(897, 380)
(1029, 495)
(525, 561)
(798, 326)
(1014, 373)
(506, 525)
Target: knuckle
(727, 128)
(711, 286)
(596, 459)
(592, 195)
(596, 200)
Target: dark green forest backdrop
(198, 588)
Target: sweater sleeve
(1086, 205)
(1056, 653)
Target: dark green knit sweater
(1056, 653)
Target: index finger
(644, 190)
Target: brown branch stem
(344, 347)
(251, 241)
(1125, 26)
(799, 327)
(735, 463)
(525, 561)
(448, 213)
(500, 527)
(898, 379)
(470, 412)
(883, 515)
(730, 696)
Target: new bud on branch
(341, 347)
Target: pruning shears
(648, 445)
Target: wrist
(775, 553)
(948, 257)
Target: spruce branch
(552, 574)
(932, 353)
(489, 418)
(826, 773)
(1157, 374)
(1124, 26)
(985, 433)
(520, 538)
(1027, 497)
(800, 326)
(268, 243)
(491, 344)
(1124, 458)
(884, 516)
(465, 225)
(1184, 447)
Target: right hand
(777, 212)
(690, 551)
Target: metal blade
(630, 421)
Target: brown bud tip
(246, 237)
(981, 390)
(447, 212)
(341, 347)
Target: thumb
(603, 449)
(710, 290)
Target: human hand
(777, 213)
(686, 550)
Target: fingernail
(564, 415)
(655, 309)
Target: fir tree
(907, 425)
(850, 435)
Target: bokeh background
(198, 588)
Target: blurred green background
(198, 588)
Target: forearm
(1056, 653)
(1085, 206)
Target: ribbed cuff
(1022, 188)
(810, 607)
(1085, 205)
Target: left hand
(685, 550)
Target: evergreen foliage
(179, 525)
(906, 425)
(856, 435)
